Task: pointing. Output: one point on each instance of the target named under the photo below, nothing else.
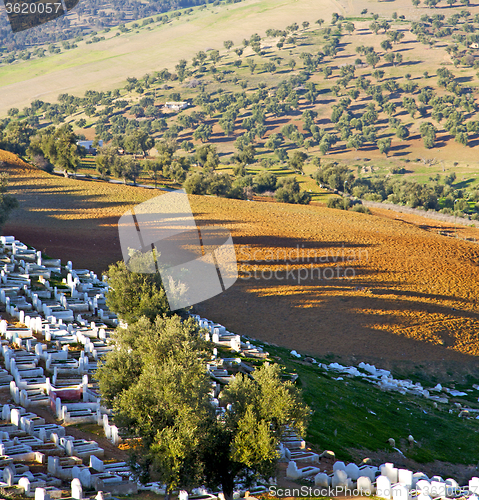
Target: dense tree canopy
(155, 380)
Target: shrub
(361, 209)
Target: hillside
(387, 100)
(412, 300)
(106, 64)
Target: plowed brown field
(410, 295)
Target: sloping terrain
(409, 296)
(106, 66)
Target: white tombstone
(55, 439)
(76, 472)
(85, 478)
(418, 476)
(352, 470)
(452, 487)
(405, 477)
(183, 495)
(383, 487)
(115, 438)
(438, 489)
(69, 447)
(339, 466)
(364, 485)
(423, 486)
(42, 434)
(323, 480)
(52, 466)
(400, 492)
(41, 494)
(77, 490)
(100, 496)
(339, 479)
(6, 413)
(58, 406)
(8, 475)
(15, 417)
(368, 471)
(474, 485)
(390, 472)
(292, 471)
(96, 463)
(24, 483)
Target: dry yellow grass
(413, 296)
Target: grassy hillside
(105, 65)
(356, 420)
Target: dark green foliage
(157, 385)
(265, 181)
(134, 294)
(58, 146)
(289, 192)
(15, 137)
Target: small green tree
(384, 146)
(134, 294)
(196, 184)
(296, 160)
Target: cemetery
(58, 329)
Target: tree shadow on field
(219, 137)
(59, 199)
(347, 317)
(463, 79)
(411, 63)
(473, 143)
(399, 147)
(464, 184)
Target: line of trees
(435, 195)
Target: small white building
(176, 106)
(88, 145)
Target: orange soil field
(409, 297)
